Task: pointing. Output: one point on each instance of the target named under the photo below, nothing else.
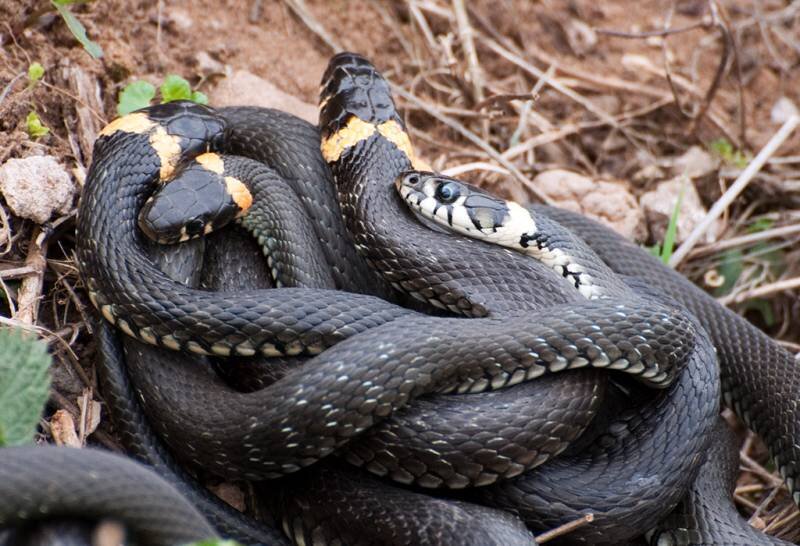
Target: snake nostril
(195, 226)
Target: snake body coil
(379, 369)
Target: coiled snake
(374, 390)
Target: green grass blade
(77, 30)
(672, 230)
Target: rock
(783, 109)
(208, 65)
(695, 163)
(178, 18)
(659, 204)
(244, 88)
(230, 493)
(647, 173)
(610, 202)
(582, 37)
(63, 429)
(36, 186)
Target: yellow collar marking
(394, 133)
(351, 134)
(357, 130)
(211, 161)
(168, 148)
(132, 123)
(240, 194)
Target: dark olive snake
(370, 397)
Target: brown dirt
(147, 39)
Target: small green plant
(34, 125)
(724, 149)
(664, 251)
(75, 26)
(762, 224)
(730, 269)
(35, 73)
(24, 385)
(140, 94)
(766, 261)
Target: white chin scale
(555, 258)
(516, 223)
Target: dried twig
(475, 139)
(744, 240)
(101, 437)
(18, 272)
(572, 128)
(422, 23)
(8, 86)
(761, 291)
(736, 188)
(667, 70)
(727, 46)
(30, 291)
(651, 33)
(561, 88)
(458, 170)
(465, 37)
(301, 10)
(562, 530)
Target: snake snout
(195, 203)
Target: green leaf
(721, 147)
(175, 88)
(763, 307)
(34, 125)
(672, 230)
(136, 95)
(70, 2)
(774, 259)
(24, 385)
(199, 98)
(77, 29)
(762, 224)
(725, 151)
(731, 269)
(35, 73)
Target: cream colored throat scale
(469, 210)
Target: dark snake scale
(409, 386)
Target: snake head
(199, 200)
(352, 87)
(199, 128)
(452, 203)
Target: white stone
(36, 186)
(244, 88)
(695, 163)
(659, 203)
(783, 109)
(609, 202)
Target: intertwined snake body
(379, 371)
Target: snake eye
(448, 192)
(195, 226)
